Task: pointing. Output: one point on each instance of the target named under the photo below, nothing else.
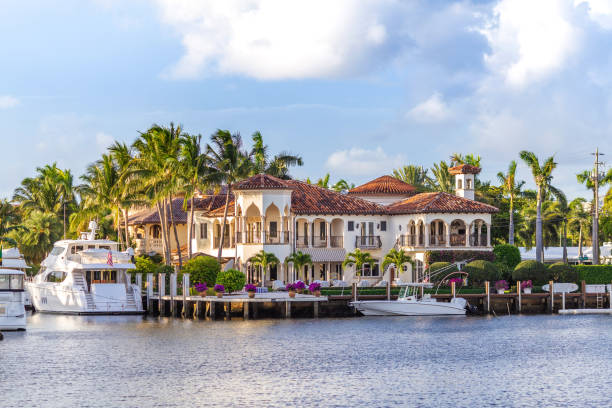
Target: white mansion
(286, 216)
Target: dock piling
(245, 310)
(583, 293)
(185, 293)
(488, 296)
(519, 301)
(388, 290)
(315, 309)
(161, 291)
(551, 305)
(287, 309)
(150, 292)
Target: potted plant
(291, 289)
(201, 288)
(526, 286)
(251, 289)
(501, 286)
(315, 289)
(299, 286)
(219, 289)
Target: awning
(325, 254)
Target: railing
(337, 241)
(276, 237)
(368, 241)
(319, 242)
(411, 240)
(457, 239)
(301, 241)
(475, 242)
(437, 240)
(226, 242)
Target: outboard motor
(471, 309)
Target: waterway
(133, 361)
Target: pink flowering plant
(315, 286)
(501, 285)
(526, 284)
(219, 288)
(250, 288)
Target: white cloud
(599, 10)
(7, 101)
(279, 39)
(362, 162)
(434, 109)
(103, 140)
(530, 39)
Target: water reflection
(138, 361)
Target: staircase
(80, 282)
(131, 302)
(599, 301)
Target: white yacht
(410, 303)
(86, 276)
(12, 298)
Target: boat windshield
(57, 250)
(11, 282)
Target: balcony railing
(475, 242)
(337, 241)
(276, 237)
(301, 241)
(226, 242)
(368, 242)
(437, 240)
(319, 242)
(457, 239)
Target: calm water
(131, 361)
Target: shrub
(233, 280)
(594, 274)
(202, 269)
(560, 272)
(480, 271)
(436, 266)
(533, 270)
(507, 254)
(145, 265)
(456, 256)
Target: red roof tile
(439, 203)
(464, 169)
(261, 182)
(150, 216)
(218, 212)
(385, 185)
(311, 199)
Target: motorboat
(13, 259)
(86, 276)
(12, 299)
(412, 303)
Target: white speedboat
(12, 298)
(410, 303)
(86, 276)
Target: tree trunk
(580, 244)
(167, 227)
(127, 234)
(161, 222)
(190, 231)
(539, 247)
(176, 238)
(224, 221)
(511, 231)
(564, 241)
(118, 223)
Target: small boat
(410, 303)
(86, 276)
(12, 299)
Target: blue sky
(356, 87)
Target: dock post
(315, 309)
(519, 300)
(388, 290)
(150, 293)
(583, 293)
(563, 300)
(245, 310)
(161, 289)
(354, 290)
(172, 293)
(213, 308)
(228, 310)
(139, 281)
(551, 305)
(197, 309)
(453, 288)
(488, 296)
(288, 309)
(610, 297)
(185, 293)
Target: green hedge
(594, 274)
(560, 272)
(480, 271)
(439, 265)
(507, 254)
(202, 269)
(535, 271)
(232, 279)
(456, 256)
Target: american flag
(109, 258)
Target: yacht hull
(12, 311)
(408, 308)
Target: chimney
(464, 180)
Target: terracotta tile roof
(261, 182)
(218, 212)
(212, 202)
(439, 203)
(385, 185)
(150, 216)
(464, 169)
(311, 199)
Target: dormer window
(459, 184)
(468, 184)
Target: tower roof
(385, 185)
(464, 169)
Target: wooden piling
(563, 300)
(519, 301)
(150, 293)
(161, 291)
(197, 312)
(551, 304)
(583, 293)
(354, 291)
(185, 293)
(487, 298)
(453, 288)
(172, 294)
(388, 291)
(315, 309)
(212, 307)
(287, 309)
(245, 310)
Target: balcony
(276, 237)
(474, 241)
(226, 242)
(319, 242)
(337, 241)
(457, 239)
(437, 240)
(368, 242)
(301, 241)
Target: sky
(357, 87)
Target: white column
(488, 234)
(447, 229)
(282, 229)
(427, 227)
(328, 272)
(263, 228)
(478, 234)
(328, 233)
(468, 228)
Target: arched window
(459, 184)
(156, 231)
(468, 184)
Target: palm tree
(230, 164)
(542, 175)
(396, 258)
(299, 260)
(41, 231)
(122, 157)
(442, 180)
(278, 166)
(359, 259)
(264, 260)
(342, 186)
(578, 218)
(9, 221)
(471, 159)
(323, 182)
(511, 188)
(414, 175)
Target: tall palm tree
(41, 231)
(552, 221)
(542, 175)
(359, 259)
(9, 221)
(277, 166)
(511, 188)
(342, 186)
(122, 157)
(396, 258)
(264, 260)
(230, 164)
(470, 158)
(442, 180)
(580, 218)
(299, 260)
(414, 175)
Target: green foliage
(507, 254)
(456, 256)
(202, 269)
(535, 271)
(145, 265)
(232, 279)
(594, 274)
(436, 266)
(560, 272)
(480, 271)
